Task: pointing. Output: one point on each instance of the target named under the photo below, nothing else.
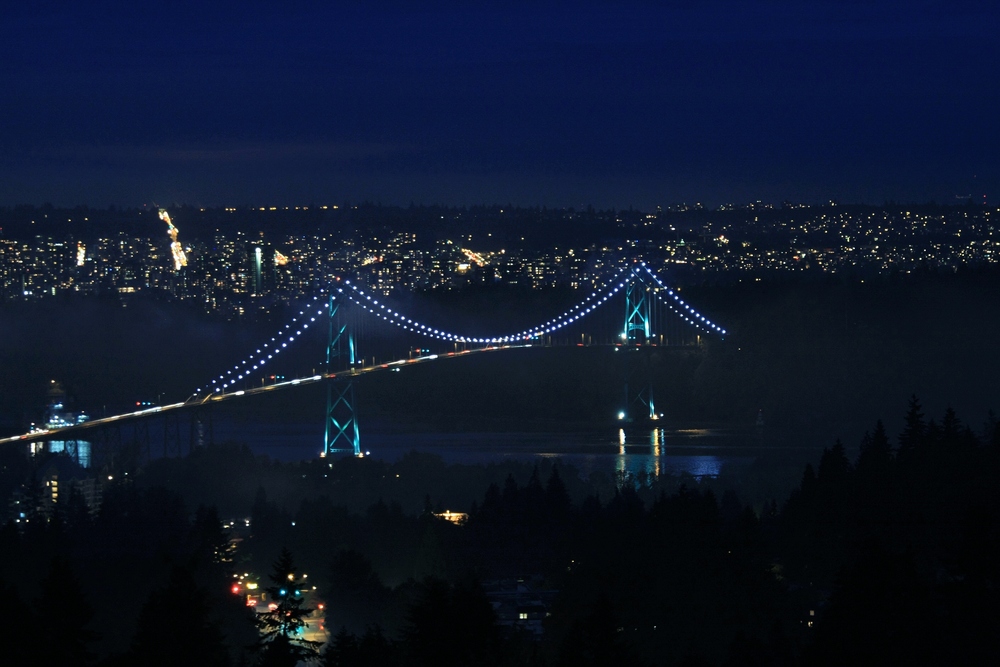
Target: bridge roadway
(196, 400)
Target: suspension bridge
(648, 314)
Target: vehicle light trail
(52, 434)
(180, 259)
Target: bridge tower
(636, 310)
(636, 338)
(342, 433)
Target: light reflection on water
(644, 453)
(637, 453)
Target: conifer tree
(557, 499)
(342, 650)
(209, 540)
(68, 646)
(876, 455)
(834, 466)
(911, 439)
(21, 630)
(176, 627)
(281, 625)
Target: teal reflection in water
(644, 455)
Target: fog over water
(819, 360)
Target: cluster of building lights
(358, 296)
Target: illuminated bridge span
(654, 314)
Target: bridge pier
(173, 441)
(172, 435)
(639, 403)
(636, 338)
(202, 427)
(114, 454)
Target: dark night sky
(608, 103)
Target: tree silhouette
(880, 613)
(63, 605)
(451, 626)
(356, 594)
(209, 541)
(911, 439)
(342, 650)
(372, 649)
(876, 455)
(284, 621)
(178, 612)
(557, 499)
(595, 639)
(20, 632)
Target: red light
(235, 589)
(137, 402)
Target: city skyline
(242, 262)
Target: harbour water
(699, 452)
